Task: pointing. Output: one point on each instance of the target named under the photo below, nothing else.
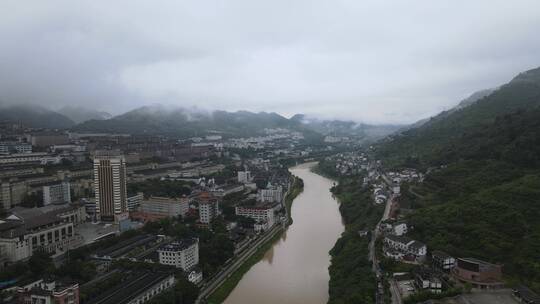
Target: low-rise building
(15, 147)
(46, 139)
(407, 246)
(50, 292)
(12, 193)
(425, 280)
(22, 233)
(228, 189)
(480, 274)
(399, 229)
(525, 295)
(270, 194)
(134, 201)
(57, 193)
(164, 206)
(23, 158)
(183, 254)
(442, 261)
(244, 177)
(263, 214)
(139, 288)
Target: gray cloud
(373, 61)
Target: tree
(245, 222)
(40, 262)
(33, 200)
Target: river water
(295, 269)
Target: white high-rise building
(110, 185)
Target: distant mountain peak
(35, 116)
(531, 76)
(81, 114)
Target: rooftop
(179, 245)
(130, 288)
(441, 254)
(477, 261)
(527, 294)
(123, 247)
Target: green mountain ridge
(482, 196)
(81, 114)
(185, 123)
(35, 116)
(346, 127)
(447, 129)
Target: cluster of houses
(398, 246)
(435, 271)
(349, 163)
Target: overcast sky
(371, 61)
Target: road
(218, 279)
(394, 290)
(396, 298)
(225, 273)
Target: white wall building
(271, 194)
(134, 201)
(406, 245)
(165, 206)
(399, 229)
(23, 158)
(442, 260)
(59, 193)
(15, 147)
(208, 210)
(244, 177)
(22, 234)
(182, 254)
(262, 214)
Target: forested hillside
(34, 116)
(482, 197)
(434, 142)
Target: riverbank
(228, 286)
(351, 276)
(297, 186)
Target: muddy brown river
(295, 269)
